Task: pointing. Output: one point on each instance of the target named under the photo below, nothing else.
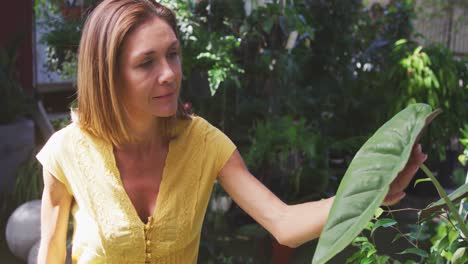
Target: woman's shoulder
(66, 138)
(199, 122)
(65, 133)
(194, 126)
(58, 145)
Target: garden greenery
(299, 86)
(368, 178)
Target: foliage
(433, 75)
(29, 183)
(402, 72)
(446, 243)
(435, 240)
(455, 196)
(63, 33)
(287, 156)
(443, 234)
(47, 8)
(305, 77)
(62, 37)
(222, 64)
(368, 178)
(14, 102)
(44, 8)
(463, 158)
(62, 44)
(59, 123)
(205, 49)
(367, 251)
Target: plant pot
(280, 254)
(71, 12)
(16, 144)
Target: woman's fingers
(404, 177)
(395, 192)
(394, 198)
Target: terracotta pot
(280, 254)
(71, 13)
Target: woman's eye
(173, 54)
(146, 64)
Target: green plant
(379, 160)
(59, 123)
(434, 240)
(62, 36)
(367, 251)
(29, 183)
(435, 76)
(447, 243)
(376, 164)
(289, 158)
(204, 49)
(62, 39)
(463, 158)
(14, 102)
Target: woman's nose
(167, 73)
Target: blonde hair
(100, 108)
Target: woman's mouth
(164, 96)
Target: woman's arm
(290, 225)
(55, 210)
(293, 225)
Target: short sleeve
(219, 148)
(49, 157)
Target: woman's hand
(396, 193)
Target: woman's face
(150, 70)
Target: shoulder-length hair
(100, 108)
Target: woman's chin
(166, 113)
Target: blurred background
(299, 86)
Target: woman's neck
(148, 136)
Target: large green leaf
(367, 180)
(460, 193)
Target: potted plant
(16, 131)
(289, 158)
(69, 9)
(63, 32)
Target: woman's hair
(100, 108)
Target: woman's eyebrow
(145, 53)
(174, 44)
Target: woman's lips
(164, 96)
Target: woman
(136, 171)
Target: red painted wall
(16, 17)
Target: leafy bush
(288, 157)
(14, 102)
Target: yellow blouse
(107, 228)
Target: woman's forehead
(155, 35)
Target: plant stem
(460, 210)
(449, 203)
(402, 210)
(405, 237)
